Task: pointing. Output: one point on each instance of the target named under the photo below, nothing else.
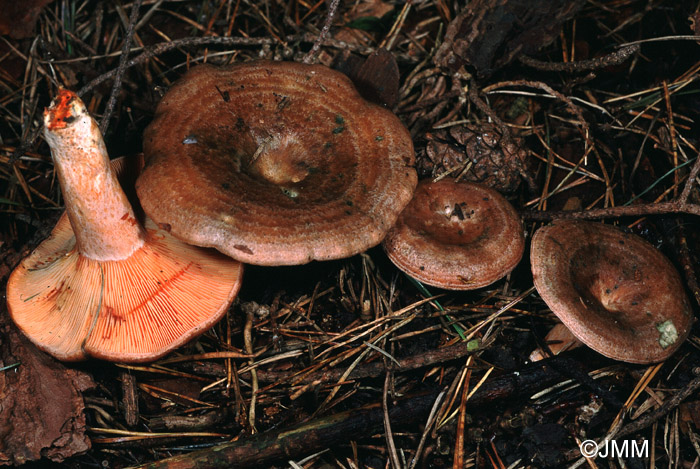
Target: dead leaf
(18, 18)
(42, 410)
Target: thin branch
(311, 55)
(121, 68)
(640, 210)
(685, 195)
(614, 58)
(163, 47)
(389, 435)
(668, 405)
(679, 205)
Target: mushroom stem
(101, 216)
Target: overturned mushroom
(102, 284)
(614, 291)
(275, 163)
(456, 235)
(559, 339)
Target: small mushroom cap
(130, 310)
(456, 235)
(613, 290)
(275, 163)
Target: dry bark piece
(19, 18)
(456, 235)
(103, 284)
(275, 163)
(42, 410)
(614, 291)
(475, 153)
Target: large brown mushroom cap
(275, 163)
(614, 291)
(130, 310)
(456, 235)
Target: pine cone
(480, 152)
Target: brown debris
(317, 434)
(694, 20)
(19, 18)
(614, 58)
(130, 405)
(42, 411)
(489, 34)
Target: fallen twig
(680, 205)
(614, 58)
(311, 55)
(121, 68)
(310, 437)
(365, 370)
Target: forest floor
(585, 106)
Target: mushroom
(275, 163)
(456, 235)
(559, 339)
(103, 284)
(614, 291)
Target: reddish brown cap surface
(275, 163)
(130, 310)
(456, 235)
(614, 291)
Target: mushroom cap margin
(310, 203)
(456, 235)
(615, 292)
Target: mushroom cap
(130, 310)
(275, 163)
(613, 290)
(456, 235)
